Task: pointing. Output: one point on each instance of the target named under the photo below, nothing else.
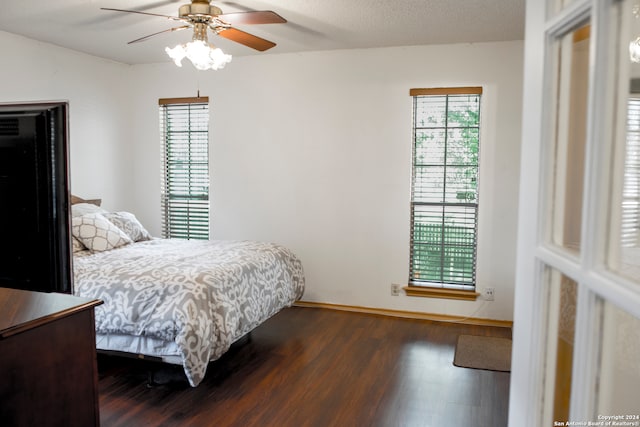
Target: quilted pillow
(127, 222)
(77, 245)
(97, 233)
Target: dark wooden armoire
(34, 202)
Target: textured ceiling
(312, 24)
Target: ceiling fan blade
(246, 39)
(159, 3)
(170, 30)
(174, 18)
(253, 17)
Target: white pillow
(97, 233)
(128, 223)
(80, 209)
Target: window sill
(421, 291)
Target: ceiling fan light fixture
(203, 56)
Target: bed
(183, 301)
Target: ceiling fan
(201, 16)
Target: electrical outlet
(488, 293)
(395, 289)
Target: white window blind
(184, 132)
(444, 190)
(630, 226)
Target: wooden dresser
(48, 369)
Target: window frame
(442, 288)
(185, 206)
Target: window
(444, 188)
(184, 133)
(630, 226)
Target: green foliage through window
(444, 191)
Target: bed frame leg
(151, 381)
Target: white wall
(99, 114)
(310, 150)
(313, 151)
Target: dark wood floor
(317, 367)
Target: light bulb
(634, 50)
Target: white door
(576, 353)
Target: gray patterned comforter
(202, 295)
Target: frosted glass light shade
(634, 50)
(202, 55)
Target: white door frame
(596, 284)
